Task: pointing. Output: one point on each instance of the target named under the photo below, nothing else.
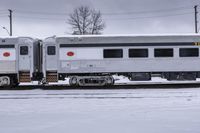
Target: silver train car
(93, 60)
(20, 60)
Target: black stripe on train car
(126, 44)
(7, 46)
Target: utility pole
(10, 17)
(196, 19)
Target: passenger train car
(93, 60)
(20, 60)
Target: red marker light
(70, 53)
(6, 54)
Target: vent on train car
(24, 77)
(52, 76)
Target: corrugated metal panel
(7, 67)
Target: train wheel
(6, 81)
(13, 82)
(73, 81)
(110, 81)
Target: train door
(51, 64)
(24, 63)
(51, 58)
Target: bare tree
(86, 21)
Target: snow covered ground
(100, 111)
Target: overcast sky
(44, 18)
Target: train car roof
(16, 40)
(128, 35)
(14, 37)
(107, 39)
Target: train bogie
(91, 80)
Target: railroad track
(137, 85)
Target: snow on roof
(127, 35)
(7, 37)
(15, 37)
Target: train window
(138, 53)
(51, 50)
(113, 53)
(188, 52)
(167, 52)
(24, 50)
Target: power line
(150, 11)
(120, 19)
(108, 13)
(40, 13)
(45, 18)
(50, 18)
(169, 15)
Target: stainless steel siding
(7, 67)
